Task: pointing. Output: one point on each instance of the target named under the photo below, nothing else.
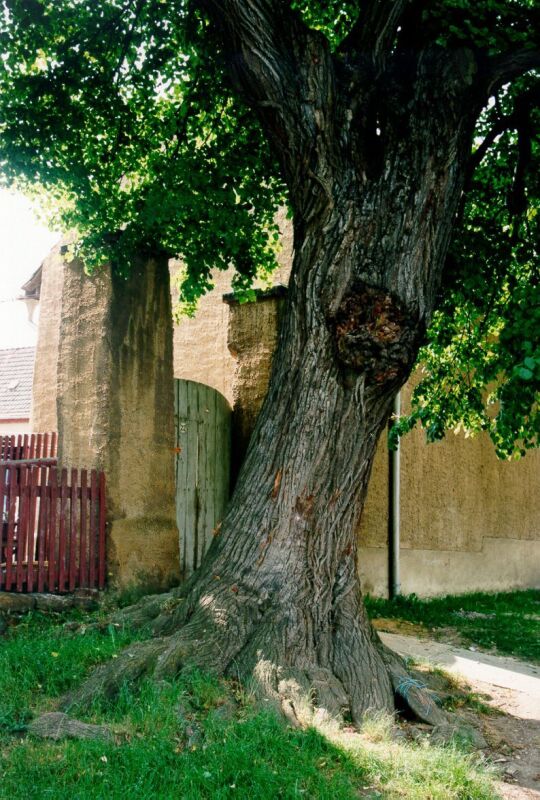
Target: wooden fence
(34, 446)
(53, 530)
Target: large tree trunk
(278, 595)
(375, 183)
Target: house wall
(200, 342)
(12, 427)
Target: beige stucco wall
(201, 349)
(200, 342)
(252, 341)
(83, 368)
(469, 521)
(43, 413)
(115, 410)
(502, 564)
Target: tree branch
(505, 123)
(375, 28)
(285, 72)
(260, 42)
(518, 120)
(506, 67)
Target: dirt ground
(510, 735)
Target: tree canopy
(124, 115)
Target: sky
(24, 243)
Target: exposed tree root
(249, 646)
(55, 725)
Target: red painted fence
(53, 530)
(34, 446)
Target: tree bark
(278, 598)
(374, 158)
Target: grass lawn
(507, 621)
(197, 737)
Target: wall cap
(278, 291)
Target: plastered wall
(203, 350)
(469, 521)
(116, 413)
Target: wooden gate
(203, 448)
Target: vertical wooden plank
(19, 447)
(45, 446)
(102, 530)
(3, 516)
(53, 530)
(212, 469)
(31, 453)
(38, 445)
(22, 532)
(178, 453)
(33, 511)
(25, 446)
(191, 488)
(222, 458)
(54, 444)
(83, 557)
(42, 528)
(93, 534)
(182, 461)
(73, 532)
(4, 505)
(12, 510)
(198, 518)
(62, 549)
(203, 480)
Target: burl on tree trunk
(374, 152)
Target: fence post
(4, 500)
(22, 532)
(53, 488)
(102, 529)
(62, 532)
(73, 532)
(13, 491)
